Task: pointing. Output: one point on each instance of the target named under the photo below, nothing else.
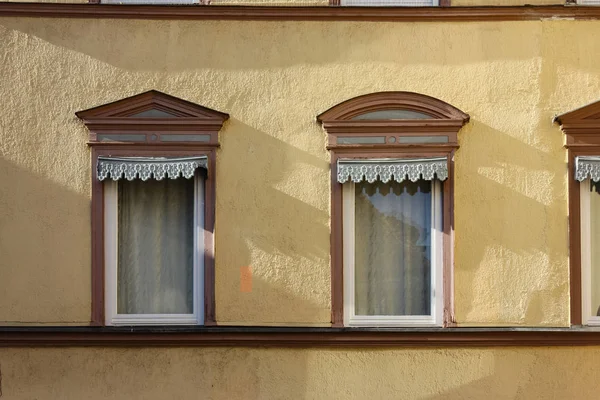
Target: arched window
(392, 180)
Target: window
(390, 3)
(405, 3)
(147, 1)
(392, 199)
(582, 129)
(154, 239)
(590, 237)
(153, 162)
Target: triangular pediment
(151, 105)
(588, 114)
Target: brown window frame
(582, 131)
(446, 120)
(116, 119)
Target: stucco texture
(205, 373)
(273, 78)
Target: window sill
(296, 337)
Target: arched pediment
(414, 105)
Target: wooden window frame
(582, 131)
(116, 119)
(446, 120)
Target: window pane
(393, 248)
(595, 248)
(393, 114)
(360, 139)
(155, 247)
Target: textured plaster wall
(273, 189)
(205, 373)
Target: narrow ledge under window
(295, 337)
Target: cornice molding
(312, 13)
(294, 337)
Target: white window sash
(437, 297)
(111, 218)
(587, 316)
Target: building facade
(285, 117)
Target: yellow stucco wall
(250, 374)
(273, 78)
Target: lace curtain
(156, 241)
(393, 248)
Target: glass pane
(121, 138)
(360, 139)
(184, 138)
(153, 114)
(423, 139)
(155, 248)
(393, 248)
(595, 248)
(393, 114)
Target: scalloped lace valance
(145, 168)
(384, 169)
(587, 167)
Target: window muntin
(393, 253)
(154, 239)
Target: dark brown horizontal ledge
(322, 13)
(294, 337)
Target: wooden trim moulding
(312, 13)
(294, 337)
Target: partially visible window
(582, 130)
(154, 241)
(590, 240)
(391, 3)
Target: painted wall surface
(273, 78)
(207, 373)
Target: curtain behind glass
(595, 246)
(155, 253)
(393, 248)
